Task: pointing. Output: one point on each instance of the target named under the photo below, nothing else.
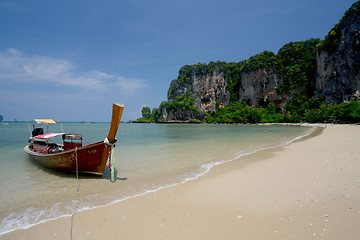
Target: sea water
(147, 157)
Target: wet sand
(309, 189)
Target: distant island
(307, 81)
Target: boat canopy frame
(40, 130)
(70, 141)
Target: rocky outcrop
(209, 89)
(338, 68)
(259, 86)
(337, 76)
(206, 84)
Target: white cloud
(20, 68)
(130, 84)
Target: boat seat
(39, 148)
(71, 145)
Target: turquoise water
(148, 157)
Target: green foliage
(347, 112)
(188, 71)
(295, 66)
(156, 114)
(233, 80)
(332, 40)
(317, 115)
(242, 113)
(316, 110)
(185, 74)
(234, 70)
(173, 89)
(265, 59)
(149, 116)
(146, 112)
(300, 109)
(313, 111)
(184, 102)
(296, 63)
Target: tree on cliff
(293, 95)
(147, 116)
(333, 39)
(146, 112)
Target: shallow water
(147, 157)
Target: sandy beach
(309, 189)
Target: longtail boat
(71, 156)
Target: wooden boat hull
(91, 158)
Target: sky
(71, 59)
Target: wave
(31, 217)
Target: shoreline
(172, 210)
(205, 168)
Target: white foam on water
(34, 216)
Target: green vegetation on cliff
(295, 68)
(295, 63)
(265, 59)
(147, 116)
(332, 40)
(186, 72)
(312, 111)
(238, 112)
(182, 103)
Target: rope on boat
(111, 146)
(77, 190)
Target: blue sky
(70, 60)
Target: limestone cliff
(338, 62)
(259, 86)
(206, 84)
(330, 68)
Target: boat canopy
(48, 135)
(44, 121)
(73, 136)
